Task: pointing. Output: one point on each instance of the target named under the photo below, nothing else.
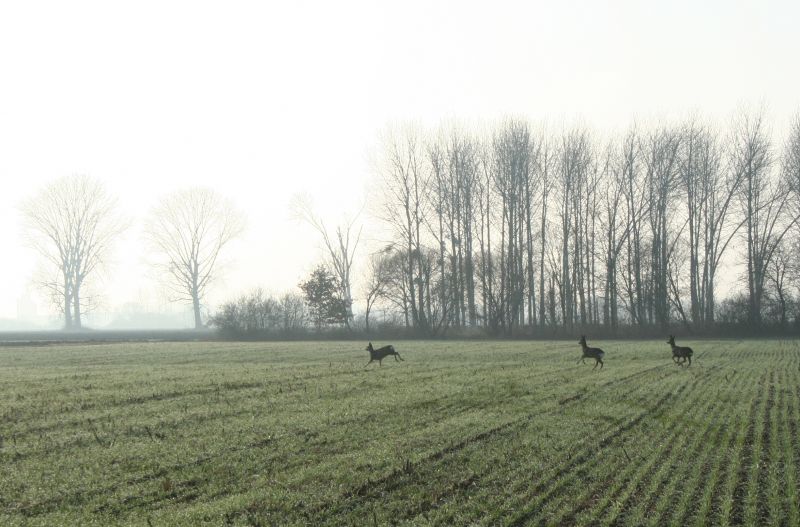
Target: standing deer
(680, 353)
(381, 353)
(592, 353)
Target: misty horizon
(142, 100)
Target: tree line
(507, 230)
(515, 230)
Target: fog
(264, 102)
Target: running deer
(381, 353)
(680, 353)
(592, 353)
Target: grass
(479, 433)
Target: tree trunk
(67, 302)
(198, 322)
(76, 307)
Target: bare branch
(188, 230)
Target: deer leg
(690, 361)
(595, 365)
(601, 363)
(380, 362)
(367, 364)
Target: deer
(680, 353)
(592, 353)
(381, 353)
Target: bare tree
(575, 161)
(791, 164)
(484, 197)
(406, 210)
(293, 312)
(781, 272)
(661, 176)
(72, 223)
(341, 248)
(636, 208)
(764, 201)
(709, 192)
(188, 229)
(514, 166)
(377, 282)
(454, 160)
(633, 234)
(545, 168)
(616, 227)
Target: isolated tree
(188, 229)
(340, 247)
(325, 305)
(72, 223)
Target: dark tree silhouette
(325, 305)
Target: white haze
(264, 100)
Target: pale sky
(264, 100)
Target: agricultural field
(479, 433)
